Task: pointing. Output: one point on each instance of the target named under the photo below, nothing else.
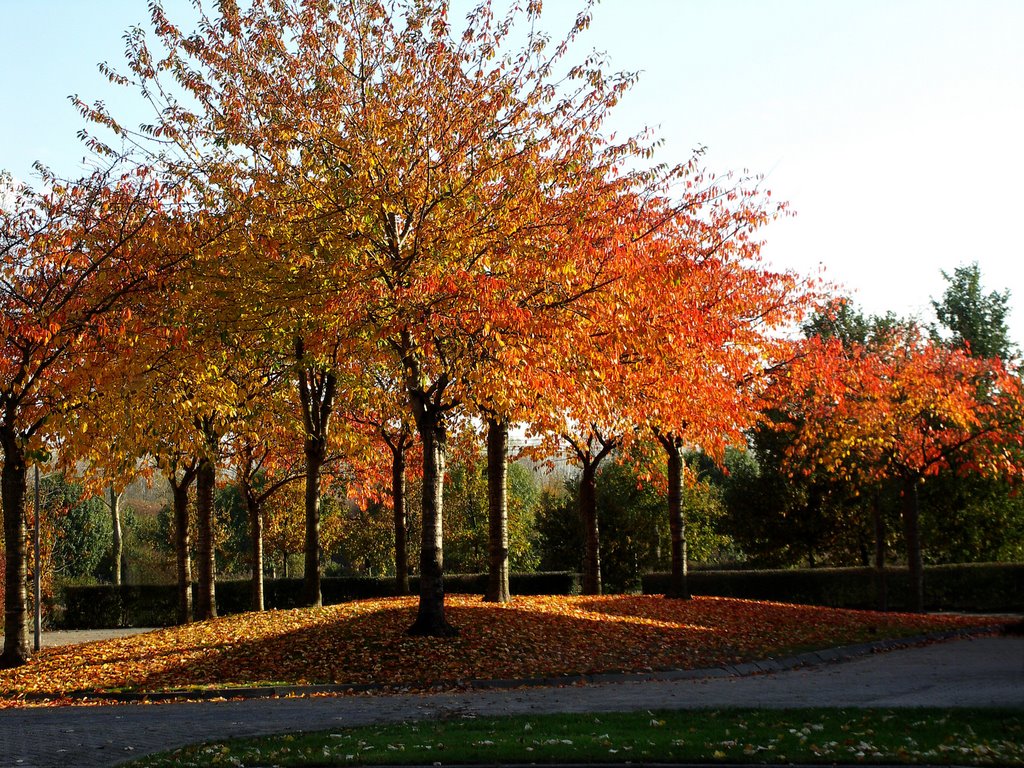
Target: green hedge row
(982, 587)
(155, 605)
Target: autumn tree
(906, 409)
(173, 403)
(783, 511)
(695, 329)
(72, 260)
(461, 277)
(384, 418)
(708, 334)
(153, 422)
(445, 204)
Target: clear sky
(895, 128)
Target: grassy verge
(831, 736)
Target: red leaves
(363, 643)
(904, 406)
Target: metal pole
(38, 575)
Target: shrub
(155, 605)
(104, 606)
(992, 587)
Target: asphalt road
(978, 672)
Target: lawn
(363, 644)
(817, 736)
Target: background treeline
(744, 516)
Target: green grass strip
(829, 736)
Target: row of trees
(784, 509)
(901, 407)
(348, 225)
(747, 512)
(352, 236)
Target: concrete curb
(746, 669)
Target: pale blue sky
(894, 127)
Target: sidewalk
(980, 672)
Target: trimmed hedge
(155, 605)
(103, 606)
(982, 587)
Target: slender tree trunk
(254, 512)
(497, 512)
(881, 587)
(12, 491)
(591, 533)
(587, 503)
(316, 395)
(912, 535)
(206, 479)
(182, 544)
(678, 586)
(400, 518)
(316, 451)
(256, 527)
(118, 565)
(430, 618)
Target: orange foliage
(362, 643)
(906, 408)
(74, 263)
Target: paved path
(981, 672)
(76, 636)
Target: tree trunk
(254, 512)
(118, 563)
(316, 451)
(881, 588)
(316, 396)
(497, 512)
(587, 503)
(206, 480)
(12, 491)
(678, 586)
(591, 534)
(912, 535)
(256, 527)
(430, 618)
(400, 518)
(182, 544)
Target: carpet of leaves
(364, 643)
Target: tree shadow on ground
(364, 643)
(504, 643)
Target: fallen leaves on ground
(363, 643)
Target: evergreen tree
(973, 319)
